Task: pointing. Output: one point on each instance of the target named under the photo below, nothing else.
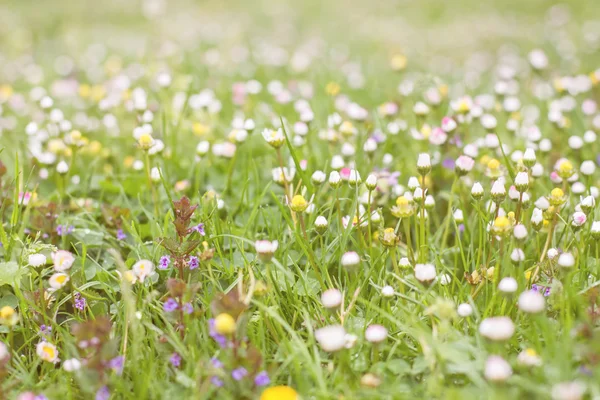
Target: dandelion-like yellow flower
(145, 141)
(388, 238)
(299, 203)
(565, 169)
(403, 208)
(501, 226)
(279, 393)
(332, 89)
(557, 197)
(225, 324)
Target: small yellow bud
(493, 164)
(6, 312)
(332, 89)
(225, 324)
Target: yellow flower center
(279, 393)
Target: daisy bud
(421, 108)
(331, 298)
(321, 224)
(413, 183)
(354, 178)
(429, 202)
(477, 191)
(418, 195)
(376, 333)
(537, 170)
(331, 338)
(370, 380)
(463, 165)
(497, 369)
(566, 260)
(537, 218)
(498, 191)
(424, 164)
(318, 177)
(589, 137)
(371, 182)
(425, 273)
(508, 285)
(36, 260)
(517, 256)
(464, 310)
(62, 168)
(568, 391)
(71, 365)
(387, 291)
(370, 145)
(497, 328)
(350, 259)
(579, 219)
(335, 179)
(513, 193)
(404, 263)
(458, 216)
(520, 232)
(531, 302)
(522, 181)
(388, 238)
(265, 249)
(587, 168)
(529, 158)
(552, 253)
(542, 203)
(595, 230)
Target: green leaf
(9, 300)
(9, 273)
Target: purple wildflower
(239, 373)
(40, 397)
(216, 381)
(541, 289)
(116, 364)
(164, 262)
(45, 330)
(80, 302)
(121, 235)
(170, 305)
(63, 230)
(216, 362)
(175, 360)
(193, 263)
(220, 339)
(448, 163)
(200, 229)
(262, 379)
(187, 308)
(461, 228)
(103, 393)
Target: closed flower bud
(318, 177)
(579, 219)
(371, 182)
(522, 181)
(429, 202)
(413, 183)
(265, 249)
(388, 238)
(497, 369)
(350, 259)
(532, 302)
(354, 178)
(424, 164)
(498, 191)
(331, 298)
(36, 260)
(335, 179)
(529, 158)
(587, 204)
(566, 260)
(331, 338)
(537, 218)
(458, 216)
(321, 224)
(463, 165)
(464, 310)
(387, 291)
(508, 285)
(376, 333)
(587, 168)
(517, 256)
(425, 273)
(477, 191)
(497, 328)
(595, 230)
(62, 168)
(520, 232)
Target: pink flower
(448, 124)
(438, 136)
